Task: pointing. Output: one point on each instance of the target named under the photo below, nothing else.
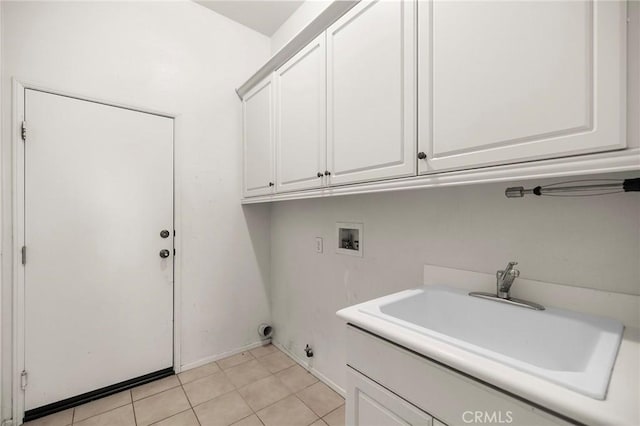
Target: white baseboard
(217, 357)
(320, 376)
(324, 379)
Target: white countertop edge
(619, 408)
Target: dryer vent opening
(265, 331)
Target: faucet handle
(508, 274)
(511, 274)
(509, 270)
(504, 280)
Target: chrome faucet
(504, 281)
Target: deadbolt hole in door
(98, 297)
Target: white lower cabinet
(390, 385)
(372, 405)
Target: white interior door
(98, 295)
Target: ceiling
(264, 16)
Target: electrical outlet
(318, 244)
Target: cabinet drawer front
(369, 404)
(371, 92)
(301, 119)
(504, 82)
(443, 393)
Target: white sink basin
(571, 349)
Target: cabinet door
(257, 118)
(301, 119)
(371, 92)
(503, 82)
(369, 404)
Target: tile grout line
(189, 401)
(135, 418)
(254, 412)
(236, 389)
(292, 393)
(133, 408)
(332, 411)
(73, 417)
(253, 358)
(220, 370)
(267, 406)
(175, 414)
(154, 394)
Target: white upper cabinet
(503, 82)
(301, 119)
(395, 88)
(371, 93)
(258, 135)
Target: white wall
(180, 58)
(1, 254)
(590, 242)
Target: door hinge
(174, 252)
(24, 255)
(23, 379)
(24, 130)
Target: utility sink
(571, 349)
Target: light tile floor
(261, 387)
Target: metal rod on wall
(590, 187)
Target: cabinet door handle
(271, 184)
(422, 155)
(327, 173)
(320, 174)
